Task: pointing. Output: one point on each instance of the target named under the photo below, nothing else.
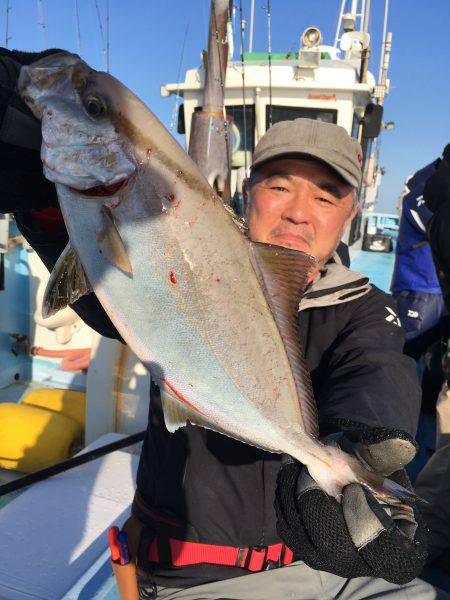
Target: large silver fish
(210, 313)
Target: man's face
(300, 204)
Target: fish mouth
(104, 190)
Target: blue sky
(146, 38)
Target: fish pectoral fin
(282, 270)
(283, 274)
(110, 243)
(176, 414)
(67, 283)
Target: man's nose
(298, 208)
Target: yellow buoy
(69, 403)
(33, 438)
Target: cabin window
(288, 113)
(240, 142)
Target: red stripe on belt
(193, 553)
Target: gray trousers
(433, 483)
(299, 582)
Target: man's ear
(354, 212)
(245, 187)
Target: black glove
(358, 536)
(22, 183)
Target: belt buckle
(250, 553)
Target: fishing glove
(22, 183)
(359, 535)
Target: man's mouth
(104, 190)
(291, 238)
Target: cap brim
(324, 156)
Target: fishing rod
(66, 465)
(244, 107)
(42, 22)
(177, 96)
(105, 39)
(77, 16)
(7, 36)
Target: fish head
(82, 147)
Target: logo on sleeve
(392, 317)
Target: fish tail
(336, 469)
(382, 487)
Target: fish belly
(194, 313)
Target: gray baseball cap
(327, 142)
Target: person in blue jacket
(415, 285)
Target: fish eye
(95, 106)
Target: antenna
(7, 36)
(42, 22)
(383, 40)
(78, 27)
(252, 19)
(338, 28)
(366, 16)
(269, 53)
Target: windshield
(288, 113)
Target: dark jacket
(199, 485)
(414, 267)
(437, 199)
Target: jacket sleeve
(49, 248)
(370, 381)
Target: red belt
(193, 553)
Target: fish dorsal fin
(110, 243)
(67, 283)
(283, 274)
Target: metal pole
(387, 55)
(244, 107)
(361, 16)
(367, 16)
(252, 18)
(338, 28)
(210, 137)
(383, 39)
(217, 56)
(269, 49)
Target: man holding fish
(244, 490)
